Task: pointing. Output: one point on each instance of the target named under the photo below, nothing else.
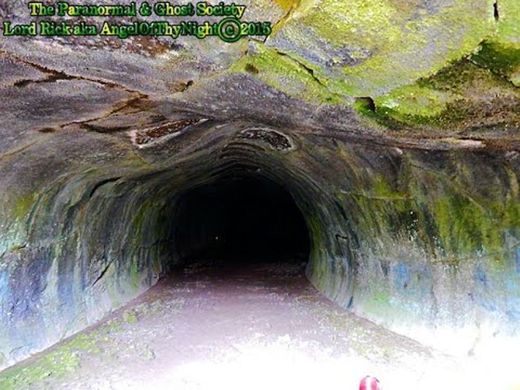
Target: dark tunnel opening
(240, 219)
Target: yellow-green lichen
(134, 274)
(62, 360)
(501, 59)
(416, 100)
(23, 206)
(449, 222)
(66, 358)
(390, 49)
(401, 41)
(378, 304)
(466, 225)
(130, 317)
(358, 22)
(285, 74)
(472, 92)
(287, 4)
(508, 22)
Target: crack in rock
(85, 124)
(55, 75)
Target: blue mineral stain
(513, 303)
(4, 284)
(480, 275)
(401, 275)
(513, 286)
(488, 304)
(512, 292)
(513, 315)
(4, 291)
(517, 260)
(484, 293)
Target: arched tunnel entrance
(239, 307)
(240, 219)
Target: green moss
(466, 227)
(416, 100)
(134, 274)
(381, 116)
(508, 30)
(364, 104)
(398, 36)
(378, 304)
(499, 58)
(448, 220)
(17, 247)
(318, 258)
(282, 72)
(130, 317)
(383, 190)
(287, 4)
(144, 220)
(59, 362)
(139, 218)
(429, 99)
(472, 92)
(452, 77)
(64, 359)
(338, 21)
(388, 45)
(23, 206)
(112, 326)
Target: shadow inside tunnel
(237, 220)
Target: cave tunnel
(335, 196)
(255, 241)
(239, 219)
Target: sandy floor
(229, 327)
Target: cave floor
(212, 326)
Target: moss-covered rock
(367, 49)
(472, 93)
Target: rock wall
(393, 126)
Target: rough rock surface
(395, 126)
